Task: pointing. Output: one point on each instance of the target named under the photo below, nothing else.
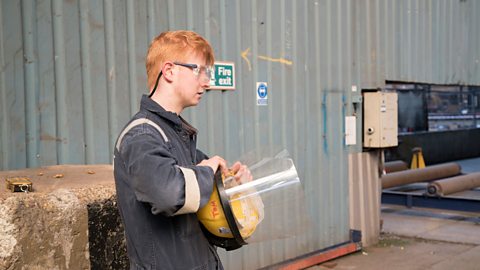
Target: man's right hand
(215, 163)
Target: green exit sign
(224, 76)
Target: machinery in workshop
(438, 186)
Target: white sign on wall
(350, 130)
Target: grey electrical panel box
(380, 124)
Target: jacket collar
(148, 104)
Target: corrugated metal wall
(365, 195)
(431, 41)
(73, 72)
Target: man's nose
(205, 84)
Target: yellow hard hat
(230, 220)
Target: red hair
(175, 46)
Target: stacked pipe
(426, 174)
(454, 184)
(395, 166)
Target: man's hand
(241, 173)
(215, 163)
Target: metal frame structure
(420, 200)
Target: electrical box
(380, 124)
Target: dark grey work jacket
(159, 190)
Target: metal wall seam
(421, 55)
(88, 119)
(295, 83)
(436, 42)
(227, 130)
(239, 84)
(451, 32)
(265, 20)
(396, 62)
(283, 77)
(4, 151)
(327, 107)
(380, 59)
(60, 84)
(254, 4)
(254, 36)
(389, 44)
(151, 29)
(286, 91)
(226, 258)
(316, 97)
(464, 29)
(30, 80)
(341, 54)
(444, 59)
(329, 50)
(343, 80)
(297, 152)
(211, 140)
(265, 68)
(191, 114)
(350, 82)
(355, 33)
(476, 75)
(474, 51)
(171, 14)
(398, 34)
(427, 74)
(132, 64)
(110, 72)
(408, 49)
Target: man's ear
(168, 71)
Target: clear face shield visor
(269, 207)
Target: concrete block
(69, 221)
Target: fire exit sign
(224, 76)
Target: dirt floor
(396, 252)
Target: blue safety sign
(262, 93)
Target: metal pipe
(454, 184)
(420, 175)
(395, 166)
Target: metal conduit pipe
(420, 175)
(454, 184)
(395, 166)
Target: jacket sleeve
(157, 179)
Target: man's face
(191, 87)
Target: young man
(161, 178)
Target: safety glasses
(203, 73)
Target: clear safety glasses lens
(203, 73)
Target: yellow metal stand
(417, 159)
